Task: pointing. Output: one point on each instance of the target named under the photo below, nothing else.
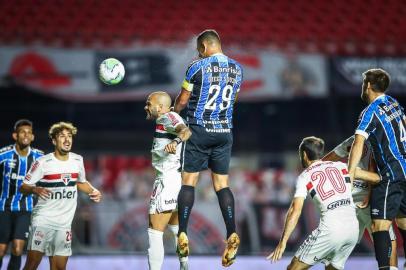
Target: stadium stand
(332, 27)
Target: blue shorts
(206, 149)
(388, 200)
(14, 225)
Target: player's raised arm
(292, 217)
(355, 154)
(182, 100)
(371, 177)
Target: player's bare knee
(3, 252)
(17, 250)
(380, 225)
(156, 226)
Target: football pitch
(138, 262)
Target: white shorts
(49, 241)
(165, 192)
(365, 222)
(328, 246)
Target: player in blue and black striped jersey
(383, 124)
(15, 208)
(209, 91)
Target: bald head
(208, 43)
(158, 103)
(161, 98)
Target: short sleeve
(343, 149)
(301, 190)
(34, 174)
(188, 82)
(366, 122)
(82, 172)
(170, 121)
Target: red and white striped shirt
(60, 177)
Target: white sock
(174, 231)
(393, 268)
(156, 249)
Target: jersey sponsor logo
(12, 163)
(218, 69)
(215, 122)
(37, 242)
(218, 130)
(172, 201)
(14, 176)
(338, 203)
(57, 195)
(375, 212)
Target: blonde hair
(59, 127)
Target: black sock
(226, 202)
(403, 233)
(14, 263)
(383, 248)
(186, 198)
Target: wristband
(177, 140)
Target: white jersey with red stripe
(165, 132)
(60, 177)
(329, 185)
(360, 187)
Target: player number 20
(334, 177)
(214, 92)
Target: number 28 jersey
(329, 185)
(214, 83)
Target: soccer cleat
(183, 245)
(230, 251)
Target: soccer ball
(111, 71)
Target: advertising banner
(73, 74)
(346, 73)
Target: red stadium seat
(326, 26)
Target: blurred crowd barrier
(263, 186)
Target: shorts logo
(39, 234)
(375, 212)
(172, 201)
(65, 178)
(26, 234)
